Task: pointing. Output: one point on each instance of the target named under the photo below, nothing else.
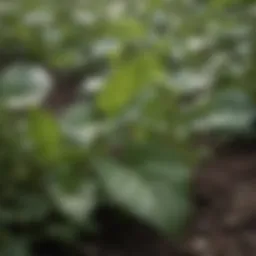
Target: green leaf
(230, 111)
(78, 124)
(153, 201)
(176, 175)
(46, 136)
(23, 86)
(127, 81)
(77, 204)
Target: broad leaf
(127, 81)
(23, 86)
(78, 204)
(231, 111)
(79, 126)
(176, 175)
(153, 201)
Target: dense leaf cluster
(169, 70)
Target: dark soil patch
(226, 199)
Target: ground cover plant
(150, 79)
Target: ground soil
(225, 223)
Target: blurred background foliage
(157, 76)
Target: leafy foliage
(163, 72)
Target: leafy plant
(129, 143)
